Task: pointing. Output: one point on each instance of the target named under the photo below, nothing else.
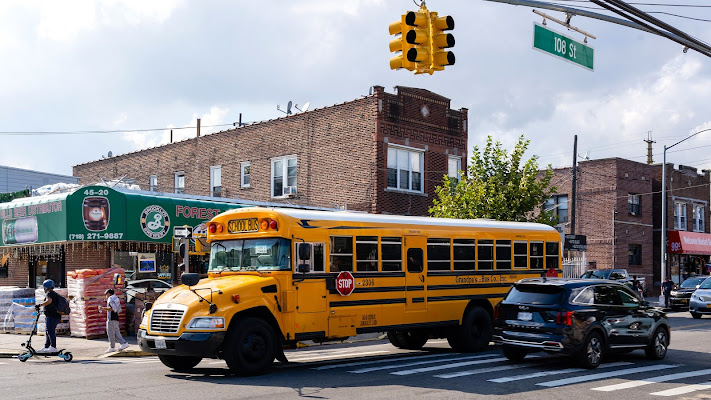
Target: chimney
(198, 127)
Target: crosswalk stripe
(447, 366)
(363, 370)
(354, 364)
(555, 372)
(592, 377)
(365, 353)
(683, 389)
(479, 371)
(656, 379)
(312, 352)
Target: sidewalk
(10, 345)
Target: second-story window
(559, 206)
(216, 181)
(245, 179)
(405, 167)
(699, 225)
(634, 204)
(453, 168)
(153, 183)
(680, 216)
(284, 176)
(180, 182)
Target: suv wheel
(695, 315)
(591, 354)
(514, 354)
(657, 348)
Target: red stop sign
(345, 283)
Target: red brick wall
(18, 271)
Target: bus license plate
(525, 316)
(160, 344)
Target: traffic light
(400, 46)
(441, 41)
(417, 38)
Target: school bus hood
(228, 285)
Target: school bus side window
(503, 254)
(486, 254)
(536, 256)
(552, 255)
(391, 250)
(341, 253)
(464, 254)
(520, 255)
(438, 254)
(366, 253)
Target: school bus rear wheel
(179, 363)
(250, 347)
(410, 340)
(475, 332)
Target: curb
(9, 355)
(127, 353)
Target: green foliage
(498, 186)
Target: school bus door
(415, 288)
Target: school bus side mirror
(118, 279)
(190, 279)
(304, 251)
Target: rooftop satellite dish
(110, 154)
(306, 106)
(288, 108)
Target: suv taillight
(564, 318)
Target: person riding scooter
(52, 317)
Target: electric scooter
(30, 351)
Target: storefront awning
(681, 242)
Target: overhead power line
(38, 133)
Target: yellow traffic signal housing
(442, 41)
(418, 38)
(399, 45)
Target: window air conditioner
(290, 191)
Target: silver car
(700, 302)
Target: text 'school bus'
(280, 276)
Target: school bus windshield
(251, 255)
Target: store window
(680, 216)
(634, 204)
(405, 166)
(699, 225)
(216, 181)
(284, 170)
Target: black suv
(582, 317)
(679, 297)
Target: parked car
(700, 302)
(679, 297)
(585, 318)
(142, 286)
(616, 274)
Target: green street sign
(556, 44)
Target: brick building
(382, 153)
(619, 209)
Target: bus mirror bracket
(190, 280)
(303, 268)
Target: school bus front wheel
(179, 363)
(250, 347)
(410, 340)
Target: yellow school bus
(279, 276)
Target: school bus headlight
(144, 322)
(207, 323)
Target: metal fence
(574, 267)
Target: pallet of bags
(63, 326)
(86, 294)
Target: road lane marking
(602, 375)
(479, 371)
(354, 364)
(365, 353)
(447, 366)
(556, 372)
(691, 326)
(656, 379)
(683, 390)
(364, 370)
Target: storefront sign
(689, 243)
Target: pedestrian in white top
(113, 308)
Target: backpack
(62, 305)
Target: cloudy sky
(122, 67)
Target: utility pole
(649, 141)
(575, 186)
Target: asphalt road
(376, 370)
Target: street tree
(498, 185)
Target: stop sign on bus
(345, 283)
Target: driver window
(628, 299)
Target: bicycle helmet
(48, 284)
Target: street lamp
(664, 213)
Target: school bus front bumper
(196, 344)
